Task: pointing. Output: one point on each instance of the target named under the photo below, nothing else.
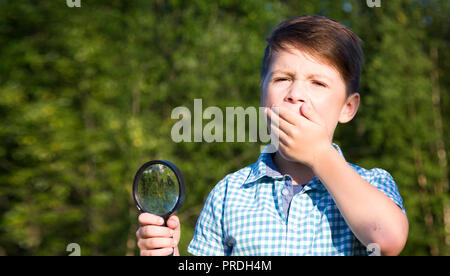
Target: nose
(297, 93)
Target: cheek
(266, 98)
(272, 97)
(320, 96)
(329, 112)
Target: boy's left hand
(301, 138)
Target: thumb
(308, 111)
(174, 223)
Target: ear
(349, 108)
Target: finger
(282, 136)
(150, 219)
(173, 222)
(157, 252)
(155, 243)
(151, 231)
(279, 122)
(275, 114)
(289, 115)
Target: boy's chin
(285, 157)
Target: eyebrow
(319, 76)
(283, 72)
(287, 72)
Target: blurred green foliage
(86, 96)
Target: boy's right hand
(155, 239)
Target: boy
(304, 199)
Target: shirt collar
(265, 167)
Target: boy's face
(296, 78)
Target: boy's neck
(300, 173)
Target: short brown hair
(321, 37)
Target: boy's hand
(301, 138)
(155, 239)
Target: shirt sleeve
(383, 181)
(208, 236)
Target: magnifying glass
(159, 189)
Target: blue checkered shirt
(244, 215)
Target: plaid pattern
(244, 215)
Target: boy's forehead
(293, 60)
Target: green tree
(86, 96)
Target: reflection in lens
(158, 190)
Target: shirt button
(285, 192)
(231, 242)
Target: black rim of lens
(180, 179)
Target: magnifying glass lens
(157, 190)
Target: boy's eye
(319, 83)
(281, 79)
